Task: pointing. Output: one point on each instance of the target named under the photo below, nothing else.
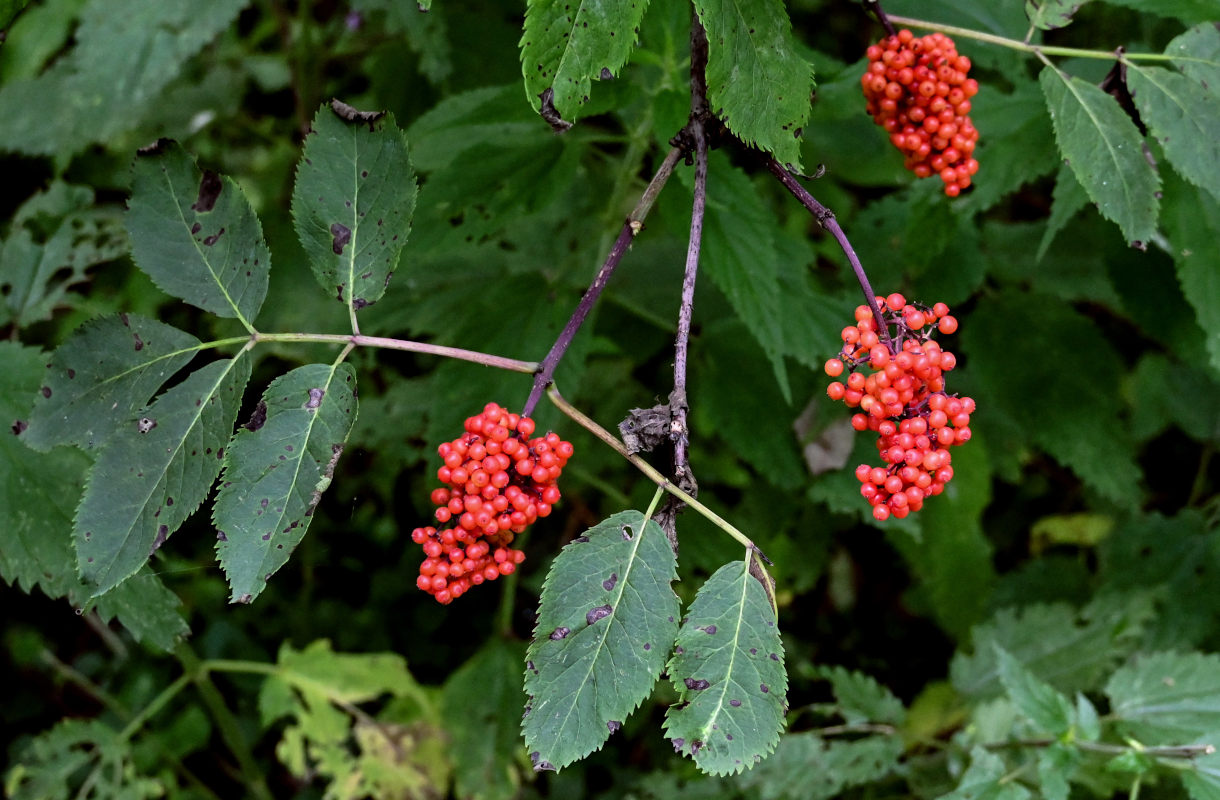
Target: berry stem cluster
(497, 481)
(903, 400)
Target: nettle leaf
(566, 46)
(276, 469)
(54, 763)
(606, 620)
(1047, 708)
(757, 82)
(1184, 118)
(728, 670)
(1197, 53)
(1051, 14)
(155, 471)
(1105, 150)
(807, 767)
(196, 235)
(1167, 698)
(1069, 649)
(481, 699)
(860, 698)
(987, 777)
(353, 200)
(97, 379)
(1190, 218)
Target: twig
(651, 472)
(632, 226)
(826, 219)
(486, 360)
(875, 7)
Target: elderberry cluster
(903, 399)
(917, 90)
(497, 480)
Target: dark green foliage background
(1079, 535)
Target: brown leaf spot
(696, 684)
(211, 240)
(600, 612)
(560, 633)
(209, 190)
(258, 417)
(342, 235)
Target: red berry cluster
(497, 481)
(917, 90)
(903, 400)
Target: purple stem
(826, 219)
(633, 225)
(875, 7)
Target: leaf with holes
(155, 471)
(1183, 118)
(196, 235)
(276, 470)
(606, 621)
(757, 82)
(567, 46)
(728, 669)
(352, 202)
(1105, 150)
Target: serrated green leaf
(344, 677)
(1078, 420)
(1070, 650)
(481, 700)
(1105, 151)
(1197, 53)
(860, 698)
(728, 670)
(1167, 698)
(1017, 149)
(606, 621)
(1191, 217)
(805, 766)
(1055, 765)
(757, 82)
(276, 469)
(1165, 393)
(155, 471)
(565, 49)
(126, 52)
(1050, 710)
(1088, 723)
(51, 766)
(986, 779)
(1051, 14)
(353, 200)
(147, 608)
(196, 235)
(1201, 775)
(100, 376)
(1183, 117)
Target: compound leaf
(196, 235)
(1105, 150)
(1051, 14)
(155, 471)
(1183, 117)
(728, 670)
(1167, 698)
(564, 49)
(276, 469)
(757, 82)
(352, 202)
(97, 379)
(606, 621)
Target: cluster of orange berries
(498, 481)
(917, 90)
(903, 400)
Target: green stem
(153, 708)
(1015, 44)
(82, 682)
(649, 471)
(226, 723)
